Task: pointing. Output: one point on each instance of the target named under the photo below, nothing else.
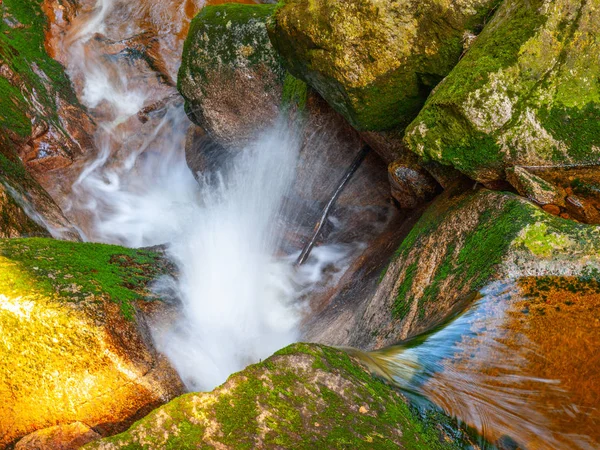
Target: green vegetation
(375, 63)
(33, 73)
(78, 272)
(228, 35)
(472, 257)
(304, 396)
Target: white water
(239, 301)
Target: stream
(499, 366)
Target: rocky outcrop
(374, 62)
(40, 110)
(75, 345)
(462, 243)
(525, 94)
(304, 396)
(43, 126)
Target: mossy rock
(74, 342)
(462, 243)
(375, 62)
(231, 77)
(303, 397)
(525, 94)
(39, 117)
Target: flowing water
(503, 366)
(519, 365)
(241, 298)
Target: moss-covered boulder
(231, 77)
(38, 106)
(303, 397)
(526, 93)
(375, 62)
(43, 128)
(75, 346)
(461, 244)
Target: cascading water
(239, 302)
(240, 296)
(494, 367)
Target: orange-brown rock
(60, 437)
(76, 350)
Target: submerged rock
(526, 93)
(75, 345)
(304, 396)
(461, 244)
(374, 62)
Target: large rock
(230, 76)
(526, 93)
(304, 396)
(462, 243)
(75, 346)
(43, 128)
(374, 61)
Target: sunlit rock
(304, 396)
(75, 346)
(375, 62)
(526, 93)
(61, 437)
(462, 243)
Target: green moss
(580, 127)
(342, 49)
(77, 271)
(473, 263)
(282, 403)
(228, 35)
(22, 50)
(295, 93)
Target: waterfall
(240, 296)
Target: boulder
(525, 94)
(374, 62)
(75, 344)
(462, 243)
(304, 396)
(230, 76)
(412, 186)
(61, 437)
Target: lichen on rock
(231, 77)
(526, 93)
(462, 243)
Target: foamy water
(240, 299)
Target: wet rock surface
(77, 349)
(304, 396)
(462, 243)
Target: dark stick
(342, 184)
